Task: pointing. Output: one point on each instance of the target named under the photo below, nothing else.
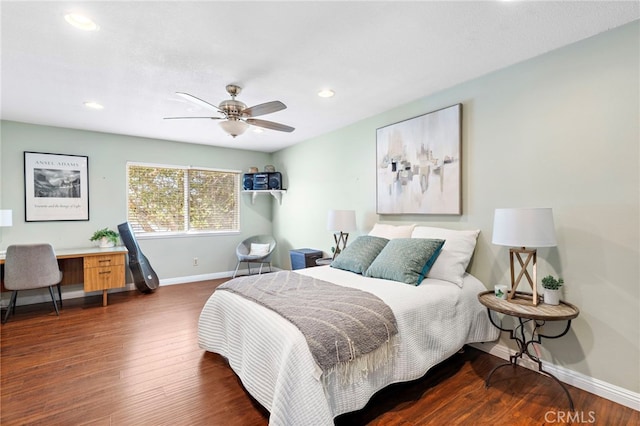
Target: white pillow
(259, 249)
(391, 231)
(456, 252)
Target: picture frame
(419, 164)
(56, 187)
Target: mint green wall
(108, 155)
(559, 131)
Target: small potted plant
(552, 289)
(106, 237)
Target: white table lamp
(523, 229)
(341, 222)
(6, 218)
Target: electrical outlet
(195, 261)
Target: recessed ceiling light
(81, 22)
(326, 93)
(93, 105)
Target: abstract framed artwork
(419, 164)
(56, 187)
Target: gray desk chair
(263, 247)
(29, 266)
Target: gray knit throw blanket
(348, 330)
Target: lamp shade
(341, 220)
(524, 227)
(6, 218)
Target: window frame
(187, 233)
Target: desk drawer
(103, 278)
(103, 260)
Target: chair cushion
(259, 249)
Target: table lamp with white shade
(524, 229)
(341, 222)
(6, 220)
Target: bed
(271, 357)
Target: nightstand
(521, 307)
(304, 257)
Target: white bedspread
(272, 359)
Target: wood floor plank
(137, 362)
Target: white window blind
(173, 199)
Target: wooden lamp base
(341, 242)
(531, 258)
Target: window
(166, 200)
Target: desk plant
(106, 236)
(551, 287)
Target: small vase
(552, 297)
(105, 242)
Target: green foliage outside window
(181, 199)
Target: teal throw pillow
(406, 260)
(358, 255)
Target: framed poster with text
(56, 187)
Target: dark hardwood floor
(137, 362)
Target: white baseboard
(597, 387)
(196, 278)
(204, 277)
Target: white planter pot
(105, 242)
(552, 297)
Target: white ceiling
(375, 55)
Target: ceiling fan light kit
(234, 127)
(237, 116)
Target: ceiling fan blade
(262, 109)
(199, 101)
(180, 118)
(269, 125)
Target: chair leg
(53, 299)
(249, 267)
(12, 304)
(60, 295)
(236, 271)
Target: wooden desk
(97, 268)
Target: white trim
(187, 234)
(592, 385)
(177, 166)
(195, 278)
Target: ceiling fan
(236, 115)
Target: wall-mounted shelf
(277, 194)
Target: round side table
(522, 307)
